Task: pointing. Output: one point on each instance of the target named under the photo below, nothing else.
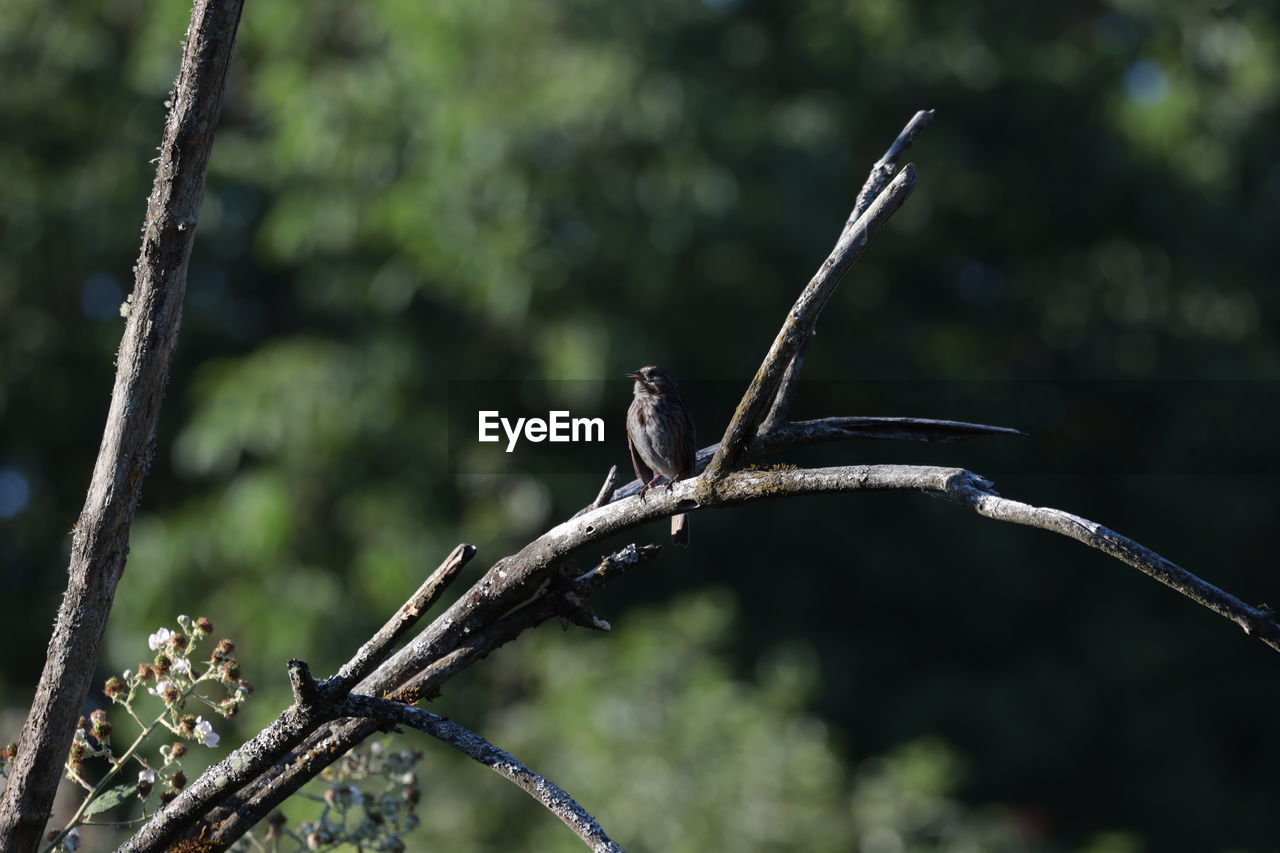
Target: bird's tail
(680, 530)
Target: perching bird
(660, 437)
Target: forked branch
(881, 172)
(537, 584)
(798, 326)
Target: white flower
(159, 639)
(181, 666)
(205, 733)
(147, 776)
(71, 840)
(161, 687)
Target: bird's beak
(635, 374)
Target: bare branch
(100, 540)
(876, 181)
(295, 723)
(799, 325)
(797, 433)
(470, 744)
(1255, 621)
(822, 430)
(556, 601)
(884, 168)
(456, 648)
(380, 645)
(244, 787)
(528, 588)
(787, 387)
(606, 492)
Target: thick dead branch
(100, 540)
(307, 713)
(263, 772)
(562, 599)
(799, 325)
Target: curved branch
(100, 539)
(470, 744)
(1254, 621)
(449, 645)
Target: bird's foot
(648, 485)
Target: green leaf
(110, 799)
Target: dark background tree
(411, 200)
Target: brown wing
(686, 450)
(643, 471)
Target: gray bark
(100, 539)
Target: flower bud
(222, 650)
(100, 726)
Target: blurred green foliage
(407, 194)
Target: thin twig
(100, 540)
(470, 744)
(375, 651)
(799, 324)
(605, 494)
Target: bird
(660, 437)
